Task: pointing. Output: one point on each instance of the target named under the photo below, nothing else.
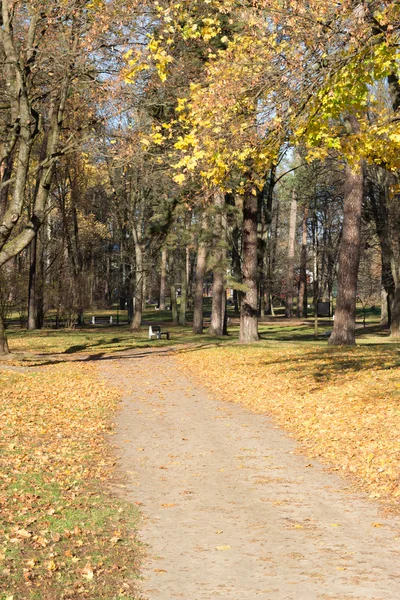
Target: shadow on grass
(328, 363)
(300, 351)
(136, 353)
(74, 349)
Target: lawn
(341, 404)
(65, 536)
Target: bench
(155, 331)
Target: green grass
(63, 535)
(77, 533)
(105, 339)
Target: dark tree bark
(249, 309)
(236, 267)
(40, 285)
(302, 299)
(395, 314)
(184, 290)
(378, 200)
(32, 308)
(394, 300)
(174, 308)
(163, 278)
(345, 317)
(291, 249)
(3, 338)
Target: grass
(110, 339)
(63, 535)
(341, 404)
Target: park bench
(155, 331)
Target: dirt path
(230, 511)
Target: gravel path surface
(230, 510)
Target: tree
(44, 49)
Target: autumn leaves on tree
(198, 124)
(269, 84)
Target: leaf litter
(341, 404)
(63, 534)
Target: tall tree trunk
(315, 276)
(41, 280)
(302, 300)
(291, 249)
(130, 309)
(261, 233)
(144, 292)
(218, 288)
(236, 268)
(272, 254)
(395, 309)
(349, 258)
(138, 307)
(163, 278)
(189, 279)
(198, 316)
(174, 308)
(218, 303)
(249, 309)
(384, 307)
(3, 339)
(378, 197)
(184, 293)
(32, 308)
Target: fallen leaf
(87, 572)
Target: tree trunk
(218, 303)
(384, 307)
(163, 279)
(198, 293)
(218, 288)
(302, 300)
(138, 307)
(262, 246)
(129, 308)
(174, 308)
(345, 317)
(378, 197)
(184, 290)
(395, 310)
(41, 281)
(144, 291)
(248, 316)
(236, 268)
(3, 339)
(272, 254)
(291, 249)
(32, 308)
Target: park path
(230, 510)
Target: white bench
(155, 331)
